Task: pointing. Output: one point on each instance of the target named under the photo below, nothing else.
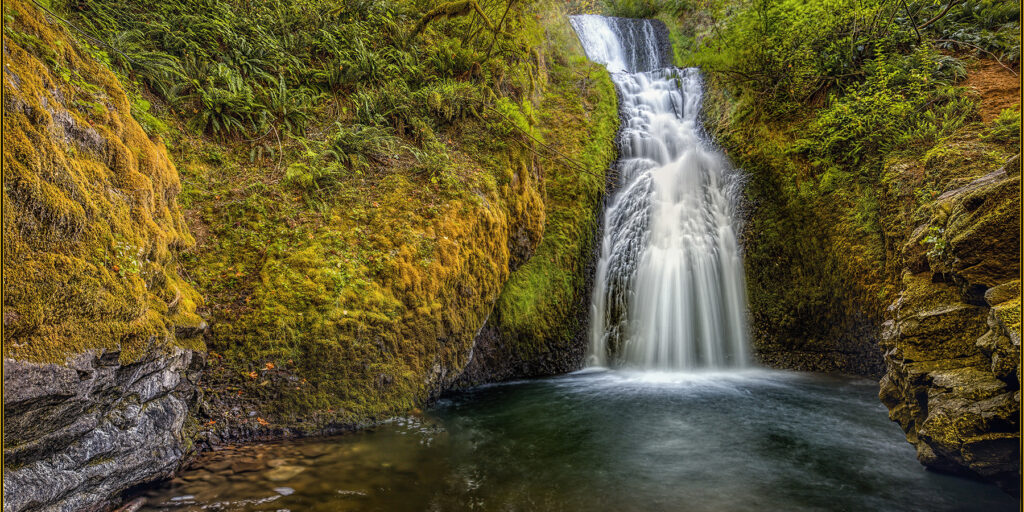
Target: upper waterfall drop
(669, 291)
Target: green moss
(538, 307)
(823, 262)
(1009, 314)
(357, 293)
(845, 171)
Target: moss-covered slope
(348, 264)
(370, 303)
(538, 325)
(356, 217)
(91, 223)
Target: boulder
(77, 435)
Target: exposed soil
(998, 86)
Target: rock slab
(78, 435)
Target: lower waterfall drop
(669, 292)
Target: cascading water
(669, 291)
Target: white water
(669, 291)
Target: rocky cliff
(78, 434)
(952, 334)
(98, 364)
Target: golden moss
(539, 308)
(90, 215)
(370, 302)
(378, 311)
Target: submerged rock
(284, 473)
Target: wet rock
(78, 435)
(246, 465)
(1002, 293)
(133, 505)
(952, 338)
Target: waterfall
(669, 292)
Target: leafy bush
(885, 110)
(224, 104)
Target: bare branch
(940, 15)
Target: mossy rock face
(91, 222)
(366, 316)
(368, 303)
(98, 383)
(953, 346)
(539, 323)
(980, 229)
(817, 283)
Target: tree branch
(940, 15)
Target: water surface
(602, 440)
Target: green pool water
(601, 440)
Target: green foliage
(784, 56)
(937, 242)
(887, 110)
(513, 118)
(850, 120)
(988, 28)
(852, 77)
(1005, 128)
(236, 70)
(646, 8)
(224, 104)
(354, 187)
(150, 123)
